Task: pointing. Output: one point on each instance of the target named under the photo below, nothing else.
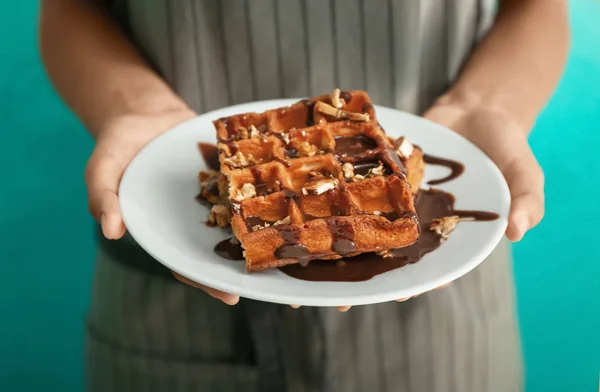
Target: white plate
(157, 196)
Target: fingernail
(295, 306)
(231, 301)
(344, 309)
(103, 225)
(522, 226)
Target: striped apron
(148, 332)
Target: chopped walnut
(285, 221)
(242, 133)
(385, 254)
(254, 133)
(403, 147)
(335, 99)
(206, 175)
(378, 213)
(247, 191)
(260, 227)
(348, 170)
(444, 226)
(319, 186)
(306, 149)
(329, 110)
(239, 160)
(358, 177)
(376, 171)
(219, 215)
(286, 138)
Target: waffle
(317, 180)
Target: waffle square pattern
(317, 180)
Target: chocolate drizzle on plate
(230, 249)
(456, 168)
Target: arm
(519, 63)
(95, 69)
(121, 100)
(502, 89)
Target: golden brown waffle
(318, 179)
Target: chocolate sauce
(343, 236)
(291, 153)
(233, 147)
(230, 251)
(354, 145)
(310, 120)
(346, 96)
(292, 248)
(456, 168)
(210, 154)
(430, 205)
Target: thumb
(102, 177)
(526, 182)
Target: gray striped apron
(148, 332)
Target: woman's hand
(504, 140)
(117, 143)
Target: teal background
(47, 246)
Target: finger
(102, 178)
(415, 296)
(229, 299)
(526, 182)
(343, 308)
(295, 306)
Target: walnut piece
(242, 133)
(348, 170)
(385, 254)
(239, 160)
(319, 186)
(205, 176)
(219, 215)
(358, 177)
(378, 213)
(376, 171)
(285, 221)
(306, 149)
(254, 133)
(403, 147)
(329, 110)
(444, 226)
(247, 191)
(286, 138)
(335, 99)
